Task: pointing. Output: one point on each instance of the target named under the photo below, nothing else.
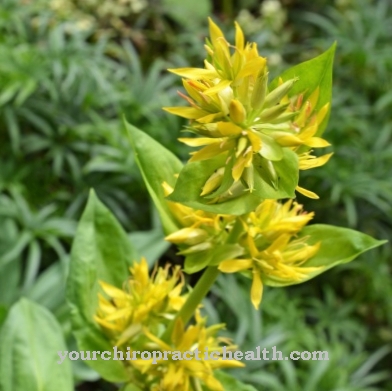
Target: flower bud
(213, 182)
(237, 111)
(242, 144)
(259, 92)
(189, 236)
(273, 112)
(278, 93)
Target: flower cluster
(267, 242)
(273, 252)
(134, 319)
(238, 116)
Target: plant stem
(202, 287)
(200, 290)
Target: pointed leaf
(101, 251)
(314, 73)
(338, 246)
(157, 165)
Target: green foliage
(101, 251)
(29, 341)
(293, 322)
(312, 74)
(230, 383)
(157, 165)
(62, 91)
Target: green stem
(200, 290)
(202, 287)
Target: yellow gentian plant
(229, 209)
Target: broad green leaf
(157, 165)
(338, 245)
(101, 251)
(194, 175)
(29, 341)
(230, 383)
(314, 73)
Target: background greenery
(69, 68)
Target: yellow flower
(201, 230)
(143, 300)
(273, 252)
(186, 375)
(236, 115)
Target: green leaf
(338, 246)
(230, 383)
(312, 74)
(194, 175)
(101, 251)
(29, 341)
(157, 165)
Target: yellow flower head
(142, 300)
(236, 115)
(201, 230)
(273, 252)
(174, 374)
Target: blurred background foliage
(70, 68)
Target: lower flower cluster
(135, 318)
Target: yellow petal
(252, 67)
(217, 88)
(197, 142)
(239, 167)
(211, 151)
(286, 139)
(313, 98)
(308, 132)
(209, 118)
(187, 235)
(215, 31)
(237, 111)
(239, 37)
(322, 113)
(228, 129)
(112, 291)
(307, 193)
(235, 265)
(213, 182)
(317, 142)
(195, 73)
(256, 292)
(186, 112)
(255, 141)
(306, 164)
